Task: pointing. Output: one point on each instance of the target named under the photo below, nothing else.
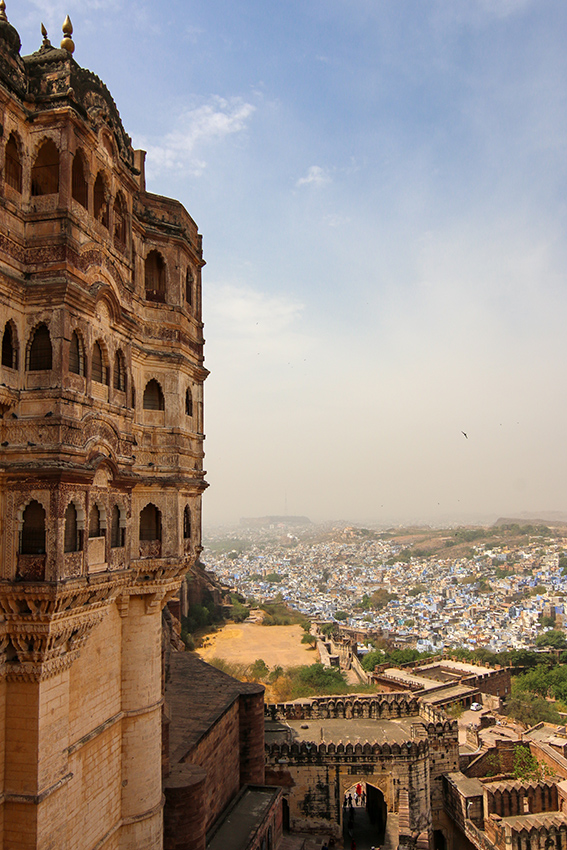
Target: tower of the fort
(101, 448)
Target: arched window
(40, 354)
(120, 222)
(45, 170)
(99, 371)
(155, 277)
(100, 200)
(187, 522)
(76, 355)
(32, 540)
(189, 402)
(117, 531)
(153, 396)
(13, 165)
(9, 347)
(72, 532)
(79, 182)
(150, 523)
(189, 280)
(94, 522)
(119, 372)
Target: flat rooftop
(243, 819)
(355, 730)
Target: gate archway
(364, 815)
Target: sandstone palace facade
(101, 456)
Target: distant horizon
(525, 516)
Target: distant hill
(549, 518)
(263, 521)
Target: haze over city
(381, 188)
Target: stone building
(101, 456)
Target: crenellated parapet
(384, 706)
(298, 752)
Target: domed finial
(46, 42)
(3, 11)
(67, 43)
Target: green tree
(259, 670)
(310, 639)
(371, 659)
(554, 638)
(341, 615)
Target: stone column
(251, 723)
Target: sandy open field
(243, 643)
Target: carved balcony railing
(31, 567)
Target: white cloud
(180, 149)
(315, 175)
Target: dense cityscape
(471, 588)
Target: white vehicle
(476, 706)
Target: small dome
(8, 34)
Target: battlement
(349, 751)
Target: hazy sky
(381, 188)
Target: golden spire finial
(67, 43)
(3, 11)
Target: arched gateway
(319, 749)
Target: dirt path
(243, 643)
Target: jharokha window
(100, 200)
(32, 538)
(76, 355)
(80, 188)
(117, 531)
(187, 522)
(150, 523)
(99, 372)
(45, 170)
(189, 287)
(9, 347)
(72, 533)
(153, 396)
(155, 277)
(120, 223)
(119, 372)
(13, 165)
(40, 352)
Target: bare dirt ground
(243, 643)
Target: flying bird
(466, 436)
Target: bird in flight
(466, 436)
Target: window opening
(155, 277)
(9, 349)
(76, 355)
(45, 170)
(79, 183)
(188, 402)
(187, 522)
(117, 532)
(33, 530)
(72, 533)
(119, 223)
(119, 372)
(94, 522)
(100, 201)
(99, 372)
(189, 287)
(40, 356)
(153, 396)
(13, 166)
(150, 523)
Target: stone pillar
(251, 722)
(141, 726)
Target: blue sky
(381, 186)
